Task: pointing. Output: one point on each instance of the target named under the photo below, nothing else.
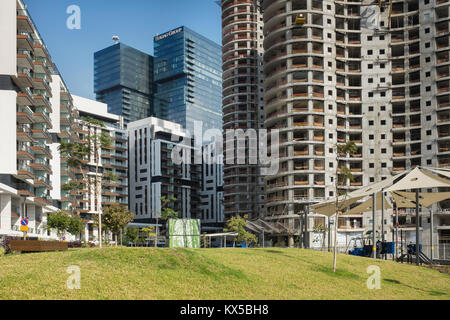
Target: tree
(132, 235)
(237, 224)
(79, 154)
(150, 232)
(75, 225)
(62, 222)
(343, 175)
(115, 218)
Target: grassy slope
(211, 274)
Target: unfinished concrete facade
(354, 71)
(243, 100)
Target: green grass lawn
(267, 274)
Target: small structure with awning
(375, 197)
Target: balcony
(23, 79)
(40, 116)
(23, 135)
(24, 41)
(24, 172)
(41, 165)
(41, 100)
(24, 115)
(41, 134)
(23, 22)
(24, 153)
(41, 149)
(24, 60)
(42, 84)
(40, 50)
(25, 98)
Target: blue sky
(136, 22)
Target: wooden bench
(37, 246)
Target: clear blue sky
(136, 22)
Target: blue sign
(24, 222)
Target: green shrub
(2, 251)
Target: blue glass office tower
(123, 78)
(188, 77)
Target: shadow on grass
(431, 292)
(339, 272)
(194, 261)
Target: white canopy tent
(414, 180)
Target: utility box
(184, 233)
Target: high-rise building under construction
(372, 72)
(243, 100)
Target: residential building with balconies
(34, 103)
(112, 161)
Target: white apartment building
(112, 160)
(37, 114)
(154, 174)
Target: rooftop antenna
(116, 39)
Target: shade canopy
(402, 202)
(368, 205)
(418, 178)
(425, 199)
(330, 208)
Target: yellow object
(300, 20)
(24, 229)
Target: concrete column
(5, 213)
(31, 215)
(95, 234)
(86, 232)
